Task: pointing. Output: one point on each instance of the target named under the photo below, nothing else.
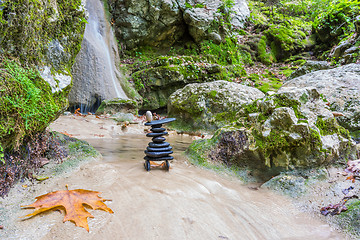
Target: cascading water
(96, 77)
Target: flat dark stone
(159, 122)
(158, 154)
(158, 139)
(158, 149)
(157, 126)
(157, 130)
(156, 134)
(159, 158)
(159, 145)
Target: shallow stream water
(186, 202)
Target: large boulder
(208, 106)
(340, 87)
(160, 23)
(289, 130)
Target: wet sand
(185, 203)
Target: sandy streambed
(185, 203)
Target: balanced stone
(160, 122)
(157, 154)
(158, 149)
(158, 139)
(159, 145)
(159, 158)
(157, 130)
(153, 134)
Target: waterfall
(95, 75)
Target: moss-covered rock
(114, 106)
(157, 79)
(27, 103)
(284, 41)
(39, 40)
(293, 129)
(208, 106)
(42, 32)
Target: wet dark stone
(158, 149)
(158, 139)
(156, 134)
(159, 145)
(157, 154)
(159, 158)
(160, 122)
(157, 130)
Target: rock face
(95, 74)
(288, 130)
(209, 105)
(155, 23)
(341, 88)
(161, 23)
(157, 80)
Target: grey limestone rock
(310, 66)
(293, 129)
(340, 87)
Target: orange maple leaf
(72, 201)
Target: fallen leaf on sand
(72, 201)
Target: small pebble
(149, 116)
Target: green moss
(281, 100)
(27, 29)
(349, 220)
(199, 149)
(329, 126)
(264, 56)
(27, 104)
(79, 151)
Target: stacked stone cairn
(158, 149)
